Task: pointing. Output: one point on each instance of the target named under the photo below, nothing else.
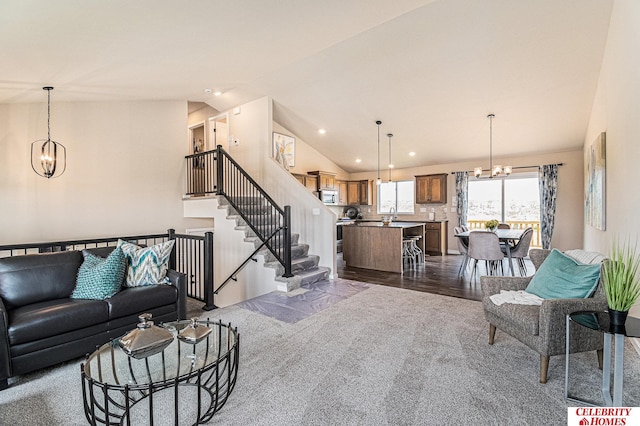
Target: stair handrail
(241, 184)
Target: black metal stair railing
(269, 222)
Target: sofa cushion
(562, 277)
(147, 265)
(53, 317)
(522, 317)
(138, 300)
(34, 278)
(99, 278)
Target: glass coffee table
(186, 383)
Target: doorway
(218, 132)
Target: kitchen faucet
(393, 213)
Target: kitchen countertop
(391, 225)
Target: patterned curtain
(548, 181)
(462, 192)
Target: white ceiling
(430, 70)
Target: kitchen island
(372, 245)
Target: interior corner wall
(125, 171)
(616, 111)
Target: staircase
(304, 267)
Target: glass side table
(599, 321)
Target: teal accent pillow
(561, 277)
(100, 278)
(146, 265)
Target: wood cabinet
(326, 180)
(342, 186)
(435, 238)
(310, 182)
(431, 189)
(359, 192)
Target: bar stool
(407, 252)
(417, 252)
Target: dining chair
(463, 248)
(485, 245)
(504, 226)
(465, 228)
(521, 250)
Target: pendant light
(48, 158)
(378, 181)
(390, 135)
(497, 169)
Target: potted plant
(621, 280)
(491, 224)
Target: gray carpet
(381, 356)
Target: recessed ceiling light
(207, 90)
(412, 154)
(358, 160)
(391, 166)
(322, 131)
(217, 93)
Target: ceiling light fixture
(358, 160)
(322, 131)
(49, 159)
(412, 154)
(493, 170)
(378, 181)
(390, 135)
(217, 93)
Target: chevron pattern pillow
(148, 265)
(100, 278)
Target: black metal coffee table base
(190, 397)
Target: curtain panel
(548, 182)
(462, 195)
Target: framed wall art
(284, 150)
(594, 186)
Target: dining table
(507, 236)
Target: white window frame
(413, 197)
(525, 175)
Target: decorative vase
(617, 318)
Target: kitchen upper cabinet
(326, 180)
(310, 182)
(431, 189)
(342, 186)
(365, 193)
(359, 192)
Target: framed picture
(594, 186)
(284, 150)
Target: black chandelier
(48, 158)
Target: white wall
(616, 111)
(125, 171)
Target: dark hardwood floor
(438, 275)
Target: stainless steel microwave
(329, 197)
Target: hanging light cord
(378, 123)
(491, 144)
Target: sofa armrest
(5, 363)
(179, 280)
(492, 285)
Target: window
(396, 195)
(513, 199)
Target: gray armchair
(542, 328)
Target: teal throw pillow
(100, 278)
(561, 277)
(146, 265)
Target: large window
(396, 195)
(512, 199)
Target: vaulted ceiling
(431, 70)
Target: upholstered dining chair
(521, 250)
(504, 226)
(463, 248)
(485, 245)
(543, 327)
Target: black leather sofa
(40, 325)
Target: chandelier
(497, 169)
(48, 158)
(390, 135)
